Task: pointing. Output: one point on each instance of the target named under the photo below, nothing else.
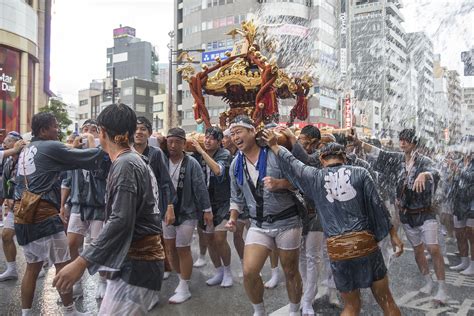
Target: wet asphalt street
(404, 277)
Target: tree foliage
(59, 110)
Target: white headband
(241, 124)
(227, 133)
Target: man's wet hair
(146, 122)
(90, 122)
(311, 131)
(409, 135)
(332, 150)
(119, 122)
(215, 132)
(41, 120)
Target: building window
(141, 91)
(140, 107)
(127, 91)
(222, 22)
(189, 115)
(158, 107)
(158, 123)
(152, 93)
(377, 111)
(84, 102)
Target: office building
(25, 31)
(131, 57)
(420, 50)
(378, 58)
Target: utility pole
(169, 117)
(114, 84)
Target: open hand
(270, 138)
(420, 182)
(69, 275)
(19, 145)
(197, 145)
(287, 132)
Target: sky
(82, 31)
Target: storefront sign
(9, 88)
(348, 112)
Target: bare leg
(421, 259)
(222, 247)
(185, 262)
(209, 240)
(275, 279)
(254, 259)
(239, 243)
(447, 220)
(172, 254)
(66, 298)
(289, 262)
(9, 247)
(28, 284)
(274, 259)
(383, 296)
(75, 241)
(167, 260)
(437, 259)
(470, 233)
(203, 242)
(352, 303)
(462, 241)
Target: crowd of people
(327, 210)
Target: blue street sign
(211, 56)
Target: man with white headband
(243, 219)
(275, 222)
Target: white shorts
(182, 233)
(468, 222)
(284, 239)
(426, 233)
(219, 228)
(124, 299)
(9, 221)
(78, 226)
(50, 250)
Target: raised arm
(302, 176)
